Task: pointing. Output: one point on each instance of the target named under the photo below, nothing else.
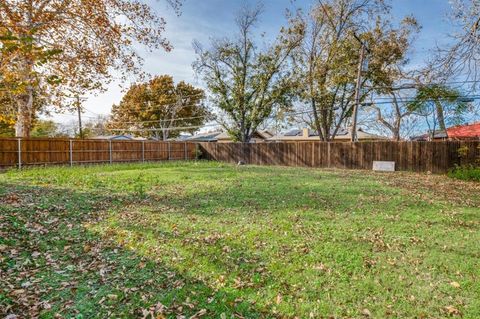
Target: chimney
(305, 133)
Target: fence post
(168, 150)
(143, 151)
(186, 154)
(110, 151)
(19, 146)
(71, 153)
(328, 155)
(296, 153)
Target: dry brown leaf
(455, 284)
(366, 312)
(452, 311)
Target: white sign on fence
(384, 166)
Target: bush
(467, 173)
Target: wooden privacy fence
(436, 157)
(42, 151)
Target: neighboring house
(203, 137)
(306, 135)
(113, 137)
(464, 132)
(223, 137)
(118, 138)
(460, 132)
(257, 137)
(437, 136)
(180, 138)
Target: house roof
(456, 132)
(114, 137)
(342, 134)
(265, 134)
(204, 137)
(426, 136)
(464, 131)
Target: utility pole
(79, 110)
(357, 92)
(358, 87)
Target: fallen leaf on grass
(112, 297)
(278, 300)
(12, 199)
(366, 312)
(199, 314)
(452, 311)
(455, 284)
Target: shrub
(467, 173)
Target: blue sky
(203, 19)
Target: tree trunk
(165, 134)
(396, 128)
(316, 119)
(396, 135)
(440, 116)
(25, 112)
(24, 100)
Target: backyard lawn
(211, 240)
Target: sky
(205, 19)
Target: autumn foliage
(160, 108)
(67, 47)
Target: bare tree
(462, 58)
(247, 83)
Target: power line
(158, 121)
(413, 100)
(178, 128)
(93, 112)
(443, 97)
(68, 114)
(410, 86)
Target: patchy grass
(218, 241)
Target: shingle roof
(263, 134)
(342, 134)
(426, 136)
(113, 137)
(204, 137)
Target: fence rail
(42, 151)
(436, 157)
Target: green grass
(466, 173)
(212, 240)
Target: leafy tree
(56, 46)
(326, 64)
(8, 116)
(95, 127)
(159, 107)
(7, 126)
(444, 104)
(247, 82)
(46, 128)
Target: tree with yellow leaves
(71, 46)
